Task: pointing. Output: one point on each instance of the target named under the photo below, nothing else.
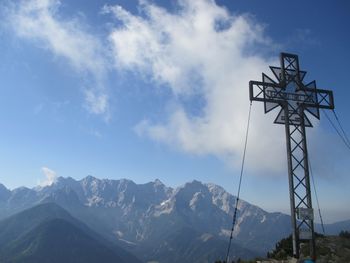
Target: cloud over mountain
(50, 175)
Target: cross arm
(258, 91)
(324, 99)
(274, 93)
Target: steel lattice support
(299, 186)
(295, 99)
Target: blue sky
(159, 89)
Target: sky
(150, 90)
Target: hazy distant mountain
(49, 234)
(335, 228)
(58, 241)
(4, 193)
(154, 221)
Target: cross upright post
(295, 99)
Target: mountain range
(156, 223)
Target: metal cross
(295, 99)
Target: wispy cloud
(40, 22)
(50, 175)
(201, 50)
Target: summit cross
(295, 99)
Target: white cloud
(39, 21)
(96, 103)
(200, 52)
(203, 51)
(51, 177)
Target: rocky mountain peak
(191, 188)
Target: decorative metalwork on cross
(290, 91)
(295, 99)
